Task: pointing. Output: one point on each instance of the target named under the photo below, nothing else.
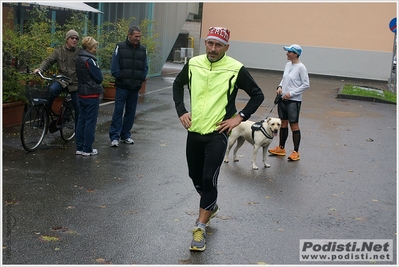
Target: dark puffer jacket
(132, 69)
(87, 84)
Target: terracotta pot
(109, 91)
(13, 114)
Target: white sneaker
(128, 141)
(78, 152)
(92, 153)
(114, 143)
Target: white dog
(258, 138)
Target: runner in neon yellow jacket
(213, 81)
(213, 88)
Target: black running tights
(205, 155)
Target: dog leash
(276, 101)
(269, 113)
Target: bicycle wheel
(67, 121)
(34, 127)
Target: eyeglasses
(74, 38)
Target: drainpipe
(150, 11)
(86, 21)
(150, 16)
(99, 25)
(99, 20)
(192, 41)
(53, 21)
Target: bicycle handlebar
(55, 77)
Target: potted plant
(13, 97)
(20, 51)
(13, 84)
(109, 86)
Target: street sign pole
(392, 81)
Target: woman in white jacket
(294, 82)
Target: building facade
(348, 39)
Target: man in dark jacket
(64, 57)
(130, 68)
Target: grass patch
(365, 91)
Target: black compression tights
(205, 154)
(296, 137)
(283, 136)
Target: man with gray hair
(129, 67)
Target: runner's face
(291, 55)
(215, 49)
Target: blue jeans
(120, 127)
(56, 89)
(86, 125)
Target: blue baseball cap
(294, 48)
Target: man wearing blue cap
(295, 81)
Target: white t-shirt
(295, 80)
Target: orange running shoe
(294, 156)
(277, 151)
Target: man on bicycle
(65, 57)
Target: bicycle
(41, 119)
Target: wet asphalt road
(136, 205)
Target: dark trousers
(205, 155)
(125, 101)
(86, 125)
